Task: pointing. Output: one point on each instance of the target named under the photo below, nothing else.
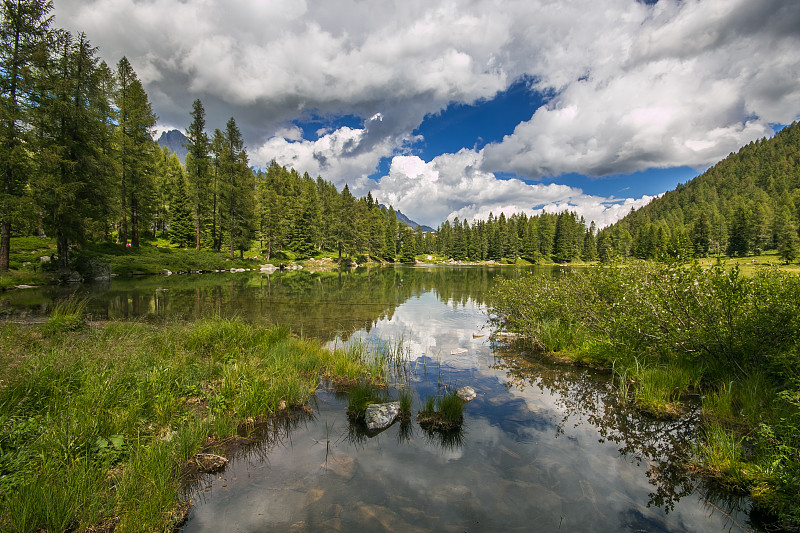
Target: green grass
(670, 331)
(97, 423)
(444, 412)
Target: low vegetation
(671, 332)
(443, 412)
(97, 423)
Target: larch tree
(135, 123)
(24, 37)
(198, 168)
(69, 180)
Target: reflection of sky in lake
(530, 457)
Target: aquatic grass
(658, 388)
(720, 455)
(66, 315)
(443, 412)
(360, 396)
(404, 396)
(119, 409)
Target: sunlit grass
(96, 423)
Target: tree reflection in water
(584, 394)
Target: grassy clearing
(97, 423)
(671, 331)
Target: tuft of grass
(67, 315)
(444, 412)
(360, 396)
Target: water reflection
(543, 447)
(317, 304)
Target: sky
(465, 107)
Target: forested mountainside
(743, 205)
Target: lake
(543, 447)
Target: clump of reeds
(443, 412)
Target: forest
(745, 204)
(79, 164)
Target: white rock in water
(458, 351)
(467, 394)
(381, 415)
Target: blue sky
(458, 108)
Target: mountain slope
(739, 206)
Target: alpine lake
(543, 446)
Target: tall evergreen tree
(24, 39)
(135, 123)
(70, 130)
(198, 169)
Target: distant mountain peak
(407, 221)
(176, 141)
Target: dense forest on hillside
(79, 164)
(745, 204)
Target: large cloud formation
(631, 85)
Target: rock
(209, 463)
(44, 259)
(467, 394)
(458, 351)
(99, 270)
(381, 415)
(74, 277)
(24, 287)
(26, 263)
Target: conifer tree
(24, 39)
(135, 122)
(198, 168)
(69, 132)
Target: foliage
(670, 328)
(443, 412)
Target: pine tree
(135, 122)
(701, 235)
(198, 168)
(787, 237)
(24, 38)
(181, 221)
(69, 132)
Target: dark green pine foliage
(732, 207)
(181, 221)
(198, 170)
(69, 181)
(135, 144)
(786, 235)
(306, 223)
(24, 40)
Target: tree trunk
(134, 223)
(62, 249)
(197, 227)
(5, 244)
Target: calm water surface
(543, 447)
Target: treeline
(561, 238)
(79, 164)
(744, 205)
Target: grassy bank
(97, 423)
(674, 332)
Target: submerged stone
(381, 415)
(467, 394)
